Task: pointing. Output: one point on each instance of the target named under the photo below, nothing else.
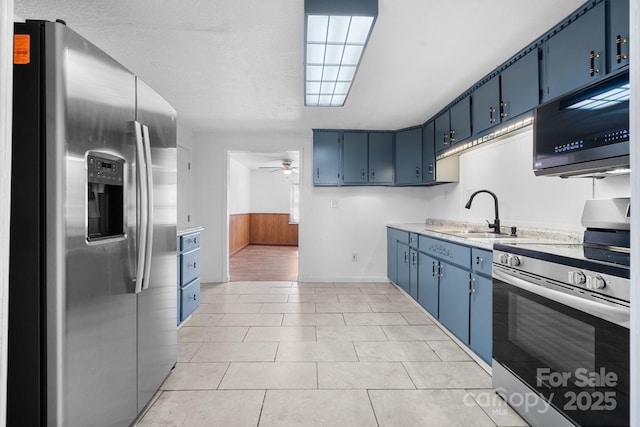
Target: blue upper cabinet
(453, 125)
(380, 158)
(408, 159)
(520, 86)
(575, 55)
(367, 158)
(355, 162)
(486, 105)
(618, 40)
(460, 116)
(428, 153)
(326, 158)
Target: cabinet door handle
(373, 174)
(433, 268)
(417, 171)
(491, 118)
(363, 174)
(592, 58)
(503, 110)
(406, 257)
(619, 42)
(440, 273)
(478, 260)
(195, 297)
(444, 139)
(430, 169)
(451, 138)
(413, 258)
(472, 287)
(192, 264)
(318, 173)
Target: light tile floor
(321, 354)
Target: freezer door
(91, 307)
(157, 336)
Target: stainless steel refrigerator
(92, 280)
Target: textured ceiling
(237, 65)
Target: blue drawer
(399, 235)
(179, 319)
(190, 298)
(189, 242)
(447, 251)
(190, 266)
(481, 261)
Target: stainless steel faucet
(496, 222)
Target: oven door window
(577, 362)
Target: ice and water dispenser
(105, 197)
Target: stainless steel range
(561, 323)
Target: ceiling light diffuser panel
(336, 34)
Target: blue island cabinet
(188, 274)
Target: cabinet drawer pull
(192, 265)
(479, 260)
(417, 171)
(195, 297)
(373, 174)
(592, 58)
(619, 56)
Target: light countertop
(440, 229)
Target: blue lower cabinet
(190, 298)
(454, 300)
(480, 317)
(188, 275)
(428, 289)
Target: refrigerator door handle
(142, 206)
(149, 170)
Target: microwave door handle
(141, 208)
(149, 182)
(602, 309)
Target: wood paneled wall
(272, 229)
(239, 225)
(261, 229)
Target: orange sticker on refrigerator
(21, 48)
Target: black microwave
(586, 132)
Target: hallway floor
(321, 354)
(264, 262)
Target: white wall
(239, 200)
(271, 191)
(504, 167)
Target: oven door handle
(602, 309)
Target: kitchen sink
(476, 234)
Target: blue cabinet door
(392, 256)
(404, 267)
(480, 316)
(575, 55)
(355, 157)
(428, 153)
(381, 158)
(428, 293)
(408, 159)
(413, 274)
(326, 158)
(442, 132)
(460, 118)
(618, 43)
(486, 105)
(520, 86)
(454, 300)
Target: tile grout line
(375, 416)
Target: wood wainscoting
(261, 229)
(239, 225)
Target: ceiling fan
(286, 168)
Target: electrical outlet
(354, 257)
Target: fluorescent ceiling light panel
(336, 35)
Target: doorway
(263, 215)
